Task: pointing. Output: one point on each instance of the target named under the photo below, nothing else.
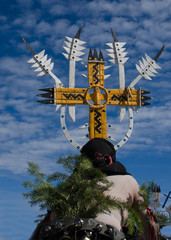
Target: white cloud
(59, 9)
(35, 141)
(3, 18)
(29, 129)
(156, 8)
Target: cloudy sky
(30, 131)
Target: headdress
(103, 156)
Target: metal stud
(98, 227)
(58, 225)
(78, 223)
(109, 230)
(48, 228)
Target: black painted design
(97, 120)
(95, 74)
(71, 96)
(119, 98)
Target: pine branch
(80, 194)
(69, 162)
(57, 176)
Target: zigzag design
(73, 96)
(120, 97)
(95, 74)
(98, 114)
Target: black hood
(103, 156)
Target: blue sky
(30, 131)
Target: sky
(30, 131)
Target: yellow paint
(101, 73)
(96, 96)
(111, 96)
(97, 100)
(91, 123)
(97, 130)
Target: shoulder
(126, 179)
(125, 184)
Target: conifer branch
(76, 192)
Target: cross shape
(96, 96)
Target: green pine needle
(75, 193)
